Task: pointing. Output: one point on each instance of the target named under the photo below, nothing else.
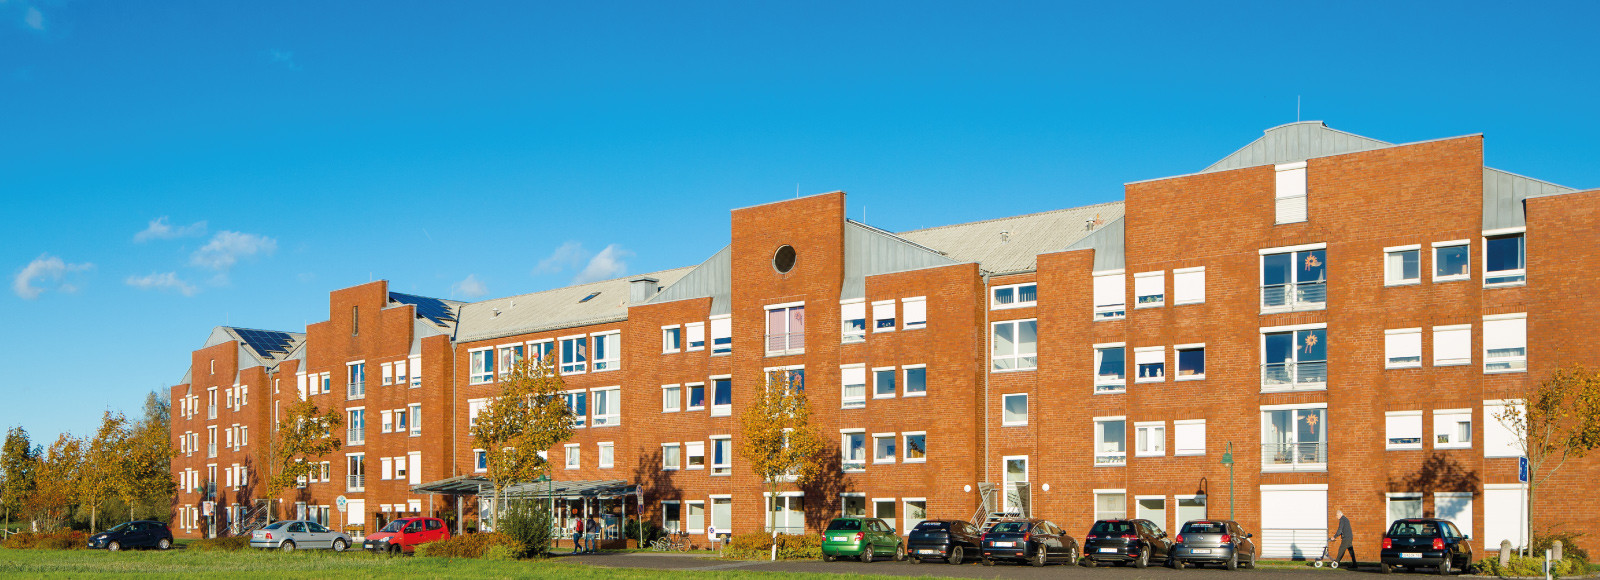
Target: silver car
(294, 535)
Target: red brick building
(1340, 316)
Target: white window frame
(612, 418)
(906, 321)
(720, 409)
(387, 370)
(689, 448)
(1392, 278)
(1445, 425)
(1016, 293)
(1161, 350)
(543, 349)
(1520, 273)
(1177, 353)
(1398, 424)
(574, 457)
(1108, 515)
(1515, 363)
(877, 393)
(476, 359)
(676, 406)
(905, 447)
(665, 466)
(1291, 287)
(876, 458)
(601, 456)
(689, 332)
(576, 367)
(725, 468)
(1291, 183)
(1017, 356)
(905, 380)
(1179, 298)
(1110, 458)
(480, 461)
(878, 311)
(1025, 413)
(1491, 425)
(1393, 339)
(852, 310)
(1466, 275)
(1178, 425)
(846, 400)
(415, 409)
(507, 356)
(1105, 385)
(416, 371)
(1160, 276)
(1294, 383)
(1438, 353)
(720, 328)
(401, 376)
(613, 360)
(1110, 311)
(388, 421)
(671, 339)
(788, 334)
(1148, 429)
(1295, 465)
(847, 464)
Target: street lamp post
(1227, 459)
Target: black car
(1212, 541)
(1425, 542)
(951, 540)
(1123, 541)
(1028, 540)
(139, 534)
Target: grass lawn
(322, 564)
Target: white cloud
(569, 255)
(163, 282)
(46, 269)
(607, 264)
(471, 287)
(226, 248)
(159, 229)
(33, 18)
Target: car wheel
(1444, 567)
(827, 557)
(900, 553)
(114, 546)
(955, 555)
(164, 544)
(1143, 559)
(339, 545)
(1385, 568)
(1174, 563)
(1089, 563)
(866, 554)
(988, 561)
(1039, 557)
(394, 549)
(287, 546)
(1233, 561)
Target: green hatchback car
(864, 538)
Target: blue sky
(271, 152)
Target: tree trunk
(93, 518)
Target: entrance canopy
(479, 485)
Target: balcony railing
(355, 482)
(786, 343)
(1299, 296)
(355, 435)
(356, 390)
(211, 450)
(1019, 499)
(211, 412)
(1290, 376)
(1294, 456)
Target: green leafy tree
(777, 441)
(529, 416)
(299, 442)
(18, 461)
(104, 466)
(1558, 421)
(55, 482)
(147, 458)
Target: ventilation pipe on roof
(642, 288)
(1005, 237)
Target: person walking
(593, 532)
(577, 535)
(1345, 537)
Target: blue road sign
(1522, 469)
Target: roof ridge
(584, 284)
(1039, 213)
(232, 327)
(392, 293)
(893, 235)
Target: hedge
(229, 544)
(467, 546)
(790, 546)
(57, 540)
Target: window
(1109, 368)
(1290, 194)
(1403, 505)
(1294, 280)
(480, 460)
(1403, 348)
(916, 445)
(607, 452)
(578, 402)
(327, 383)
(721, 396)
(1110, 441)
(540, 351)
(671, 398)
(589, 297)
(670, 460)
(915, 312)
(883, 383)
(853, 321)
(695, 517)
(1499, 439)
(1504, 260)
(853, 447)
(1110, 504)
(387, 370)
(697, 335)
(721, 334)
(1294, 359)
(574, 355)
(416, 418)
(399, 420)
(475, 406)
(1014, 409)
(786, 329)
(608, 351)
(510, 357)
(1189, 437)
(1149, 289)
(722, 515)
(1189, 285)
(1452, 345)
(1403, 429)
(1016, 345)
(787, 515)
(1451, 260)
(1152, 508)
(607, 407)
(697, 396)
(1294, 438)
(1191, 361)
(482, 370)
(1452, 428)
(672, 516)
(400, 372)
(721, 455)
(793, 377)
(1151, 364)
(916, 512)
(916, 383)
(883, 316)
(1150, 439)
(1014, 296)
(1110, 295)
(356, 472)
(671, 339)
(1505, 343)
(883, 509)
(696, 453)
(416, 371)
(356, 380)
(1402, 265)
(388, 422)
(356, 426)
(883, 448)
(854, 383)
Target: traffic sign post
(1522, 470)
(341, 501)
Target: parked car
(951, 540)
(291, 535)
(864, 538)
(403, 535)
(1213, 542)
(137, 534)
(1123, 541)
(1028, 540)
(1425, 542)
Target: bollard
(1555, 551)
(1547, 564)
(1505, 554)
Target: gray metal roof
(477, 484)
(552, 309)
(1503, 193)
(869, 251)
(712, 279)
(1107, 243)
(1013, 244)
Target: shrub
(790, 546)
(1569, 544)
(1528, 566)
(529, 525)
(652, 532)
(229, 544)
(500, 553)
(21, 541)
(57, 540)
(467, 546)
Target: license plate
(1005, 544)
(1200, 551)
(1108, 550)
(841, 538)
(927, 551)
(1410, 555)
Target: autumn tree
(147, 457)
(55, 482)
(777, 440)
(104, 467)
(1558, 420)
(529, 416)
(18, 462)
(301, 439)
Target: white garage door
(1503, 516)
(1294, 521)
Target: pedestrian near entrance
(577, 535)
(1345, 537)
(592, 530)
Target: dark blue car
(140, 534)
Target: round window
(783, 261)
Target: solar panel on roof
(265, 342)
(430, 308)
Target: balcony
(1299, 296)
(1311, 456)
(786, 343)
(355, 435)
(356, 390)
(356, 482)
(1294, 376)
(211, 412)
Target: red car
(403, 535)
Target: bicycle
(672, 542)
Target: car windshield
(122, 527)
(1010, 527)
(1409, 529)
(394, 526)
(933, 526)
(844, 525)
(1204, 528)
(1112, 528)
(275, 525)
